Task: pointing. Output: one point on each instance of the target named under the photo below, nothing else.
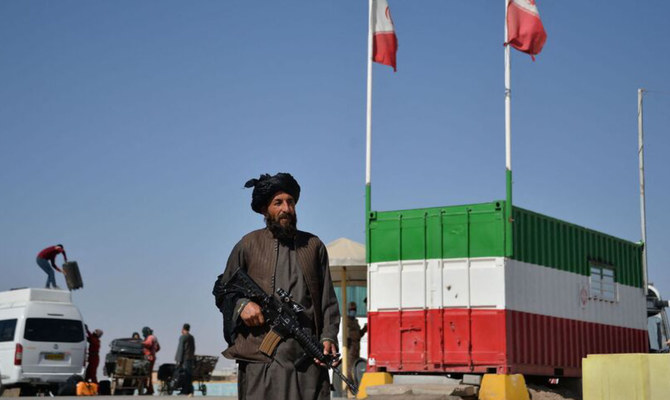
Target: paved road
(145, 397)
(131, 397)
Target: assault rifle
(281, 314)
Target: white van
(42, 338)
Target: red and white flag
(385, 42)
(524, 27)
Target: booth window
(602, 282)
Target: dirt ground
(540, 392)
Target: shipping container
(466, 289)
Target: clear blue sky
(128, 129)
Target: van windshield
(7, 328)
(54, 330)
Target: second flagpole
(368, 148)
(368, 130)
(508, 143)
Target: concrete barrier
(372, 379)
(503, 387)
(626, 376)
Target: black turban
(266, 186)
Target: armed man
(279, 256)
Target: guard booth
(446, 294)
(348, 270)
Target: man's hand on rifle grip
(252, 315)
(329, 348)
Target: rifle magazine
(270, 343)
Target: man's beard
(283, 233)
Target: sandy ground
(538, 392)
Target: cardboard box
(124, 366)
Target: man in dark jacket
(185, 359)
(355, 333)
(279, 256)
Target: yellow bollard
(503, 387)
(373, 379)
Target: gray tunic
(280, 379)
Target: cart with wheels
(171, 376)
(126, 366)
(129, 374)
(202, 371)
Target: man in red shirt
(46, 259)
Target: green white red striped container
(454, 289)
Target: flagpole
(643, 213)
(508, 142)
(368, 130)
(368, 149)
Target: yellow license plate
(54, 356)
